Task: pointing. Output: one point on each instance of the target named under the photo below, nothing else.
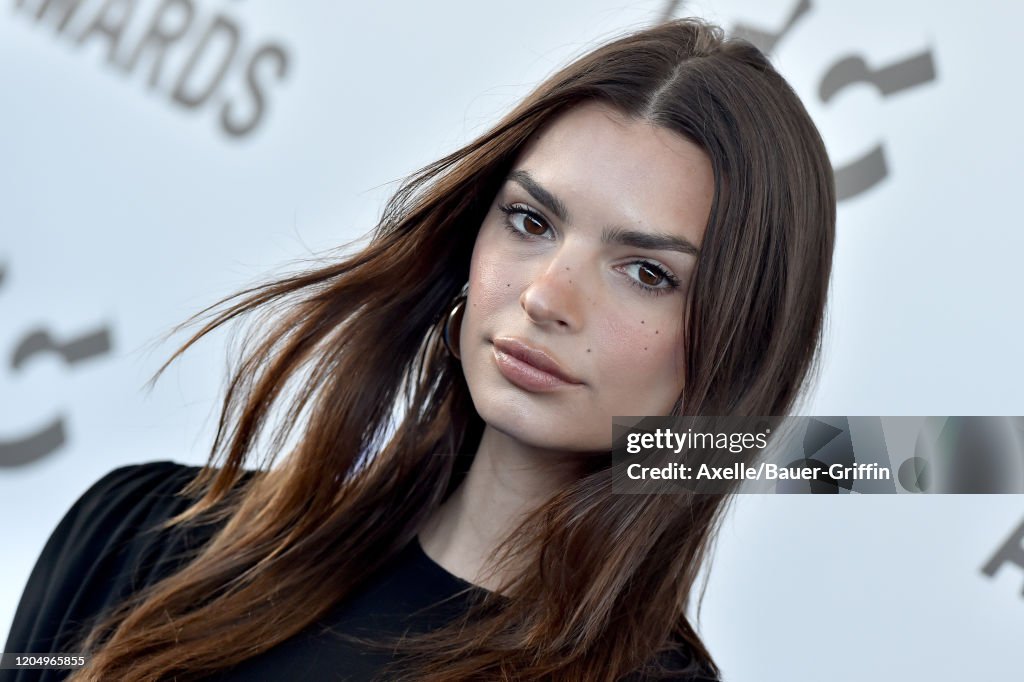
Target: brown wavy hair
(349, 347)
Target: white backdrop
(126, 205)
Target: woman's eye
(651, 279)
(522, 221)
(649, 275)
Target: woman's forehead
(601, 165)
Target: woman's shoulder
(106, 546)
(123, 494)
(125, 506)
(126, 502)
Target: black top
(103, 550)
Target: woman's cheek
(490, 275)
(638, 347)
(619, 340)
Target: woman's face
(584, 260)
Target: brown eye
(533, 225)
(530, 224)
(649, 276)
(651, 279)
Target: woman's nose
(554, 295)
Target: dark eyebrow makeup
(610, 234)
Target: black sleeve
(103, 550)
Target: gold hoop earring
(455, 317)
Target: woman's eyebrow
(544, 197)
(655, 241)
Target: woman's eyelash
(512, 209)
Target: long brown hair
(376, 411)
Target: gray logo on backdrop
(42, 440)
(871, 167)
(1010, 552)
(213, 45)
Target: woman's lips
(529, 367)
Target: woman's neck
(507, 480)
